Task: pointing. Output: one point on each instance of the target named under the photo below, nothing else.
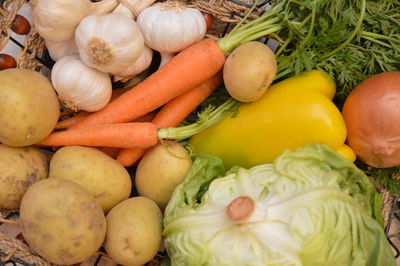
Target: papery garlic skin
(132, 8)
(141, 64)
(80, 87)
(103, 6)
(56, 20)
(169, 28)
(57, 50)
(110, 42)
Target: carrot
(173, 113)
(69, 122)
(143, 135)
(112, 151)
(186, 70)
(66, 123)
(123, 135)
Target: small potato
(249, 70)
(61, 221)
(106, 179)
(160, 170)
(134, 231)
(29, 107)
(19, 169)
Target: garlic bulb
(132, 8)
(169, 27)
(56, 20)
(141, 64)
(80, 87)
(109, 42)
(57, 50)
(103, 6)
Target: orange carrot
(122, 135)
(189, 68)
(69, 122)
(112, 151)
(129, 135)
(173, 113)
(66, 123)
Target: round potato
(134, 231)
(29, 107)
(61, 221)
(106, 179)
(20, 167)
(160, 170)
(249, 70)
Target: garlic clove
(56, 20)
(80, 87)
(109, 43)
(141, 64)
(57, 50)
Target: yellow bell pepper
(292, 113)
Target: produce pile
(228, 153)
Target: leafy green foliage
(347, 39)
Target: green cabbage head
(310, 207)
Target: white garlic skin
(57, 50)
(103, 7)
(56, 20)
(79, 86)
(109, 42)
(132, 8)
(171, 29)
(141, 64)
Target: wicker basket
(33, 56)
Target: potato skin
(29, 107)
(249, 70)
(61, 221)
(160, 170)
(105, 178)
(134, 231)
(20, 167)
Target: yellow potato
(160, 170)
(134, 231)
(19, 169)
(29, 107)
(61, 221)
(106, 179)
(249, 70)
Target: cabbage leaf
(312, 207)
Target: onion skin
(372, 114)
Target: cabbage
(310, 207)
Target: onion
(372, 115)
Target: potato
(105, 178)
(61, 221)
(29, 107)
(134, 231)
(249, 70)
(160, 170)
(20, 167)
